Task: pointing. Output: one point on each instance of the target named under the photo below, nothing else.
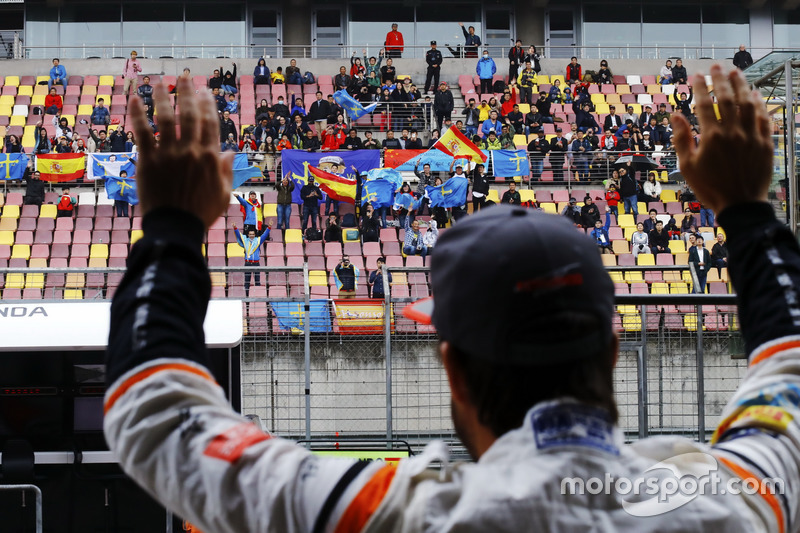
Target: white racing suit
(175, 434)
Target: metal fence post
(701, 393)
(387, 335)
(642, 375)
(38, 494)
(307, 347)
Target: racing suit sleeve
(170, 424)
(759, 433)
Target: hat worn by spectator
(558, 130)
(433, 42)
(525, 279)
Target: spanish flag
(336, 187)
(61, 167)
(454, 143)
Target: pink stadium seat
(333, 249)
(26, 224)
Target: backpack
(308, 78)
(499, 86)
(349, 221)
(313, 235)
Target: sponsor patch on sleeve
(231, 444)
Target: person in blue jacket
(252, 252)
(58, 75)
(486, 69)
(261, 74)
(491, 124)
(600, 234)
(250, 210)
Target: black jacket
(480, 182)
(226, 127)
(471, 112)
(433, 57)
(319, 110)
(742, 59)
(657, 239)
(443, 101)
(34, 189)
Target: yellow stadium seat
(520, 140)
(659, 288)
(678, 288)
(10, 225)
(356, 238)
(634, 276)
(598, 98)
(623, 89)
(99, 251)
(85, 109)
(15, 281)
(317, 278)
(690, 322)
(672, 276)
(682, 258)
(399, 278)
(713, 275)
(40, 90)
(664, 177)
(73, 294)
(686, 276)
(527, 195)
(493, 195)
(89, 89)
(107, 81)
(646, 260)
(203, 249)
(668, 195)
(626, 220)
(70, 119)
(677, 247)
(34, 281)
(234, 250)
(542, 78)
(627, 309)
(28, 141)
(524, 108)
(637, 108)
(37, 99)
(631, 322)
(5, 109)
(10, 211)
(12, 81)
(293, 235)
(95, 262)
(244, 127)
(270, 210)
(549, 207)
(136, 234)
(7, 100)
(7, 237)
(25, 90)
(620, 247)
(38, 262)
(48, 211)
(628, 231)
(17, 120)
(218, 279)
(75, 281)
(42, 78)
(616, 276)
(613, 99)
(642, 207)
(112, 127)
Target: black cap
(433, 42)
(509, 252)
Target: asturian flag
(123, 189)
(454, 143)
(354, 108)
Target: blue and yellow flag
(122, 189)
(452, 193)
(379, 193)
(510, 163)
(12, 166)
(243, 170)
(353, 107)
(388, 174)
(290, 316)
(103, 165)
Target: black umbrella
(638, 161)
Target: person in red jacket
(612, 199)
(66, 204)
(574, 72)
(330, 141)
(53, 103)
(394, 43)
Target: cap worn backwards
(496, 273)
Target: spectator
(130, 74)
(34, 187)
(646, 116)
(388, 73)
(700, 258)
(261, 74)
(311, 196)
(281, 109)
(706, 216)
(631, 115)
(121, 207)
(483, 111)
(319, 111)
(516, 57)
(376, 278)
(533, 121)
(412, 242)
(277, 77)
(471, 41)
(492, 142)
(227, 127)
(346, 277)
(232, 105)
(683, 104)
(63, 146)
(573, 212)
(53, 103)
(511, 196)
(252, 253)
(78, 145)
(538, 149)
(472, 119)
(431, 236)
(356, 67)
(688, 224)
(491, 124)
(284, 208)
(659, 239)
(58, 75)
(62, 128)
(574, 71)
(443, 104)
(589, 213)
(600, 233)
(486, 70)
(558, 151)
(117, 139)
(66, 204)
(543, 105)
(555, 92)
(719, 252)
(297, 129)
(581, 150)
(604, 75)
(584, 118)
(215, 80)
(665, 133)
(101, 141)
(13, 145)
(640, 242)
(679, 74)
(741, 60)
(284, 143)
(353, 142)
(527, 81)
(219, 99)
(293, 74)
(247, 143)
(652, 188)
(145, 92)
(612, 201)
(251, 209)
(373, 66)
(333, 229)
(480, 187)
(516, 120)
(613, 121)
(342, 80)
(100, 115)
(370, 143)
(662, 114)
(629, 190)
(433, 58)
(665, 74)
(41, 140)
(413, 142)
(229, 81)
(229, 144)
(394, 43)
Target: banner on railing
(359, 317)
(12, 166)
(104, 165)
(61, 167)
(340, 163)
(290, 316)
(405, 160)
